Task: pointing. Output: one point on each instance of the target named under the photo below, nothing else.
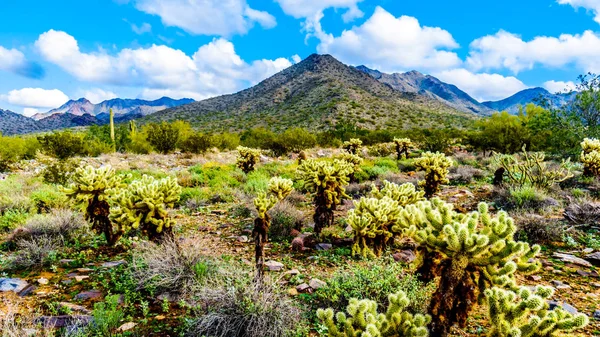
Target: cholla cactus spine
(362, 319)
(590, 157)
(326, 180)
(247, 158)
(402, 147)
(436, 167)
(91, 188)
(525, 313)
(144, 205)
(353, 145)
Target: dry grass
(16, 321)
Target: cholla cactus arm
(144, 205)
(280, 187)
(352, 146)
(590, 156)
(525, 313)
(372, 221)
(364, 321)
(247, 158)
(405, 194)
(436, 167)
(402, 147)
(532, 169)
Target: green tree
(163, 137)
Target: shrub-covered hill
(316, 93)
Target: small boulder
(113, 264)
(323, 246)
(292, 292)
(127, 326)
(316, 283)
(535, 278)
(303, 288)
(42, 281)
(12, 284)
(274, 265)
(597, 315)
(406, 256)
(86, 295)
(568, 258)
(74, 308)
(594, 258)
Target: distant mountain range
(82, 112)
(315, 93)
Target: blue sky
(52, 51)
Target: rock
(42, 281)
(557, 271)
(27, 290)
(127, 326)
(563, 287)
(556, 283)
(62, 321)
(294, 233)
(569, 308)
(316, 283)
(548, 268)
(298, 244)
(323, 246)
(568, 258)
(242, 238)
(406, 256)
(535, 278)
(73, 308)
(349, 229)
(292, 272)
(218, 211)
(595, 284)
(113, 264)
(12, 284)
(583, 273)
(166, 296)
(597, 315)
(292, 292)
(159, 317)
(84, 270)
(303, 288)
(86, 295)
(594, 258)
(66, 262)
(588, 250)
(274, 265)
(263, 158)
(80, 278)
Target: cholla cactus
(353, 160)
(372, 221)
(590, 156)
(363, 320)
(91, 187)
(472, 251)
(326, 180)
(143, 204)
(532, 169)
(526, 314)
(278, 189)
(352, 146)
(405, 194)
(402, 147)
(436, 167)
(247, 158)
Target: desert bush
(12, 218)
(17, 322)
(196, 143)
(47, 198)
(526, 312)
(176, 269)
(583, 213)
(436, 167)
(143, 205)
(527, 197)
(536, 229)
(381, 149)
(407, 165)
(405, 194)
(163, 137)
(247, 158)
(139, 144)
(465, 174)
(297, 139)
(226, 141)
(352, 146)
(13, 149)
(590, 157)
(106, 319)
(63, 144)
(57, 171)
(374, 281)
(364, 320)
(285, 218)
(238, 309)
(326, 181)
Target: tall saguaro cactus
(112, 129)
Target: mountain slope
(524, 97)
(415, 82)
(315, 93)
(13, 123)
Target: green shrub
(13, 149)
(226, 141)
(526, 196)
(63, 144)
(256, 182)
(47, 198)
(284, 218)
(12, 218)
(58, 171)
(297, 139)
(196, 143)
(139, 144)
(162, 137)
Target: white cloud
(296, 58)
(207, 17)
(215, 68)
(482, 87)
(36, 98)
(591, 5)
(14, 60)
(392, 44)
(559, 86)
(506, 50)
(308, 8)
(141, 29)
(97, 95)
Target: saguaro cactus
(112, 129)
(132, 128)
(402, 147)
(326, 180)
(144, 203)
(352, 146)
(91, 187)
(278, 189)
(436, 167)
(525, 313)
(247, 158)
(363, 320)
(590, 157)
(472, 252)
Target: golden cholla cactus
(590, 156)
(353, 160)
(363, 320)
(352, 146)
(144, 204)
(91, 188)
(326, 181)
(404, 194)
(403, 145)
(472, 252)
(247, 158)
(525, 313)
(280, 187)
(372, 220)
(436, 167)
